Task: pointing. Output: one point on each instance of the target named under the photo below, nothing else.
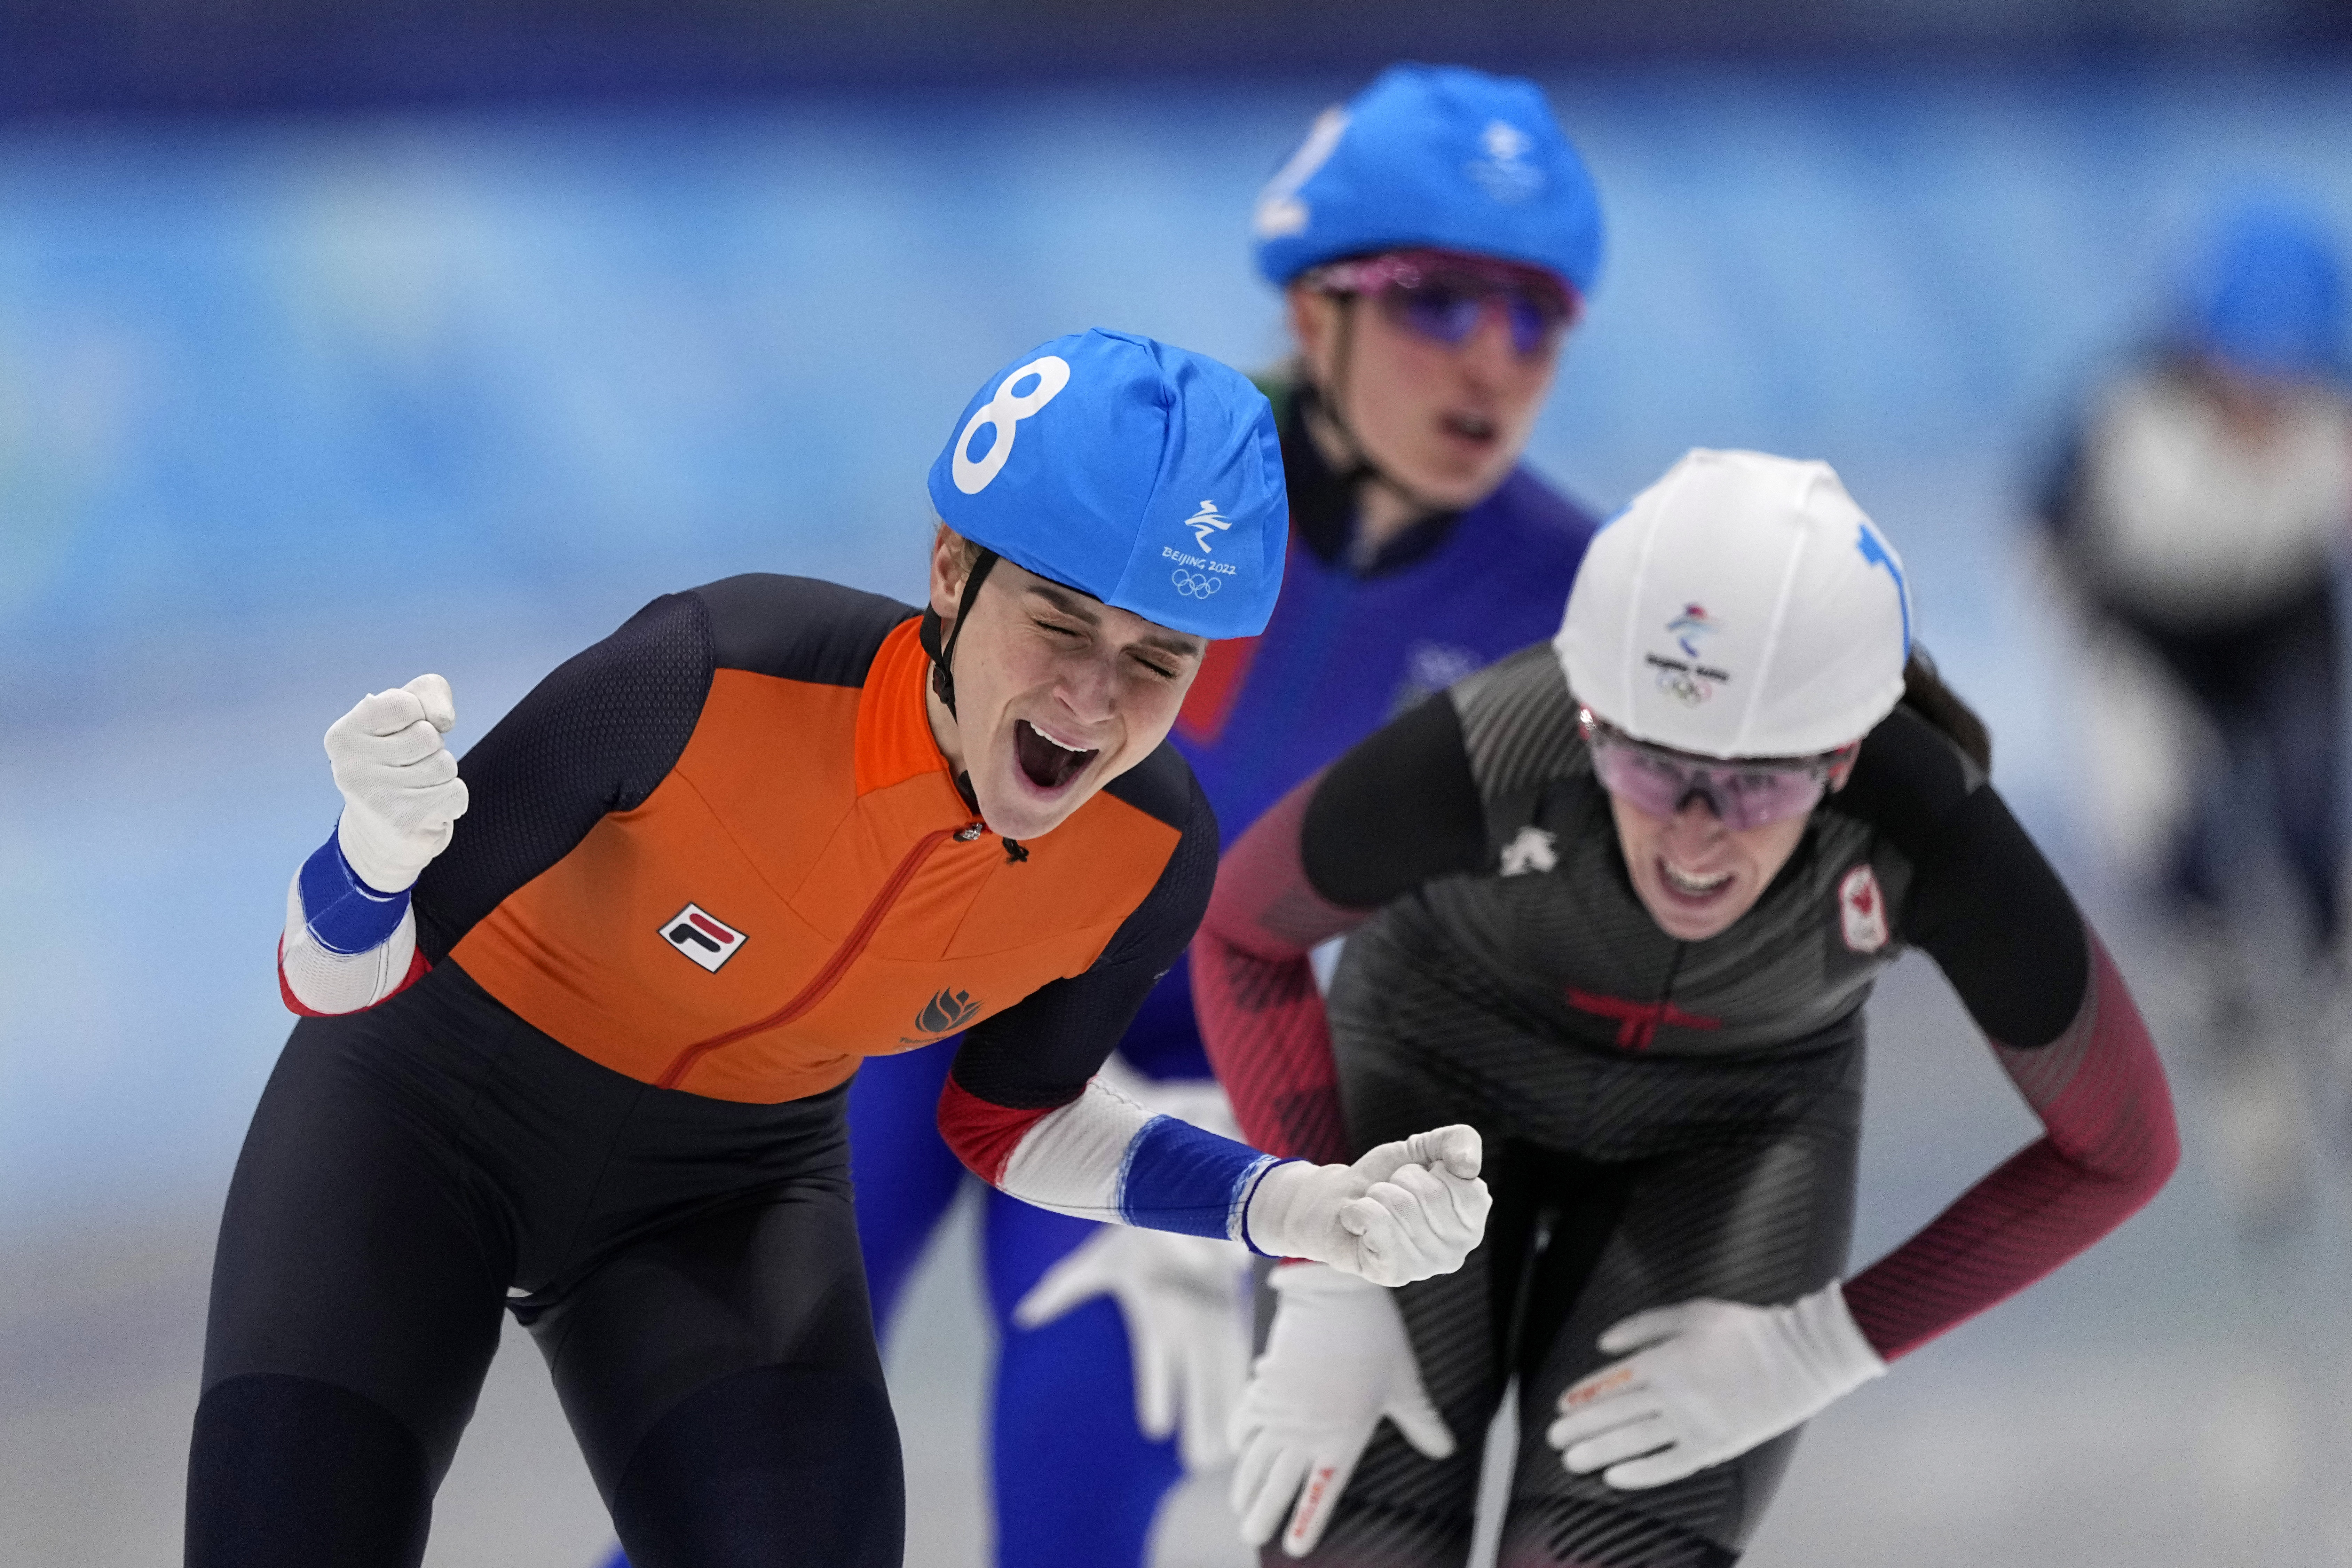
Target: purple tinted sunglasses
(1657, 781)
(1442, 295)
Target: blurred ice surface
(291, 410)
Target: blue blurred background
(336, 345)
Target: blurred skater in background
(1436, 238)
(2195, 517)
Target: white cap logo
(1003, 414)
(1502, 173)
(1199, 576)
(1505, 142)
(1690, 680)
(1206, 521)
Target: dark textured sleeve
(1984, 903)
(1401, 808)
(1037, 1055)
(597, 735)
(1990, 911)
(1398, 810)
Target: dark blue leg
(904, 1174)
(1075, 1480)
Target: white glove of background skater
(1337, 1360)
(401, 789)
(1404, 1212)
(1716, 1378)
(1187, 1325)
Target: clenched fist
(402, 795)
(1405, 1211)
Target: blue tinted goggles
(1442, 295)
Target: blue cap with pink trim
(1438, 157)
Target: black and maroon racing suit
(1665, 1120)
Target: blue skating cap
(1145, 475)
(1439, 157)
(2265, 289)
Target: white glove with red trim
(1404, 1212)
(1717, 1378)
(402, 795)
(1337, 1360)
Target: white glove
(1336, 1362)
(1187, 1324)
(401, 788)
(1403, 1212)
(1717, 1379)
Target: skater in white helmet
(1617, 901)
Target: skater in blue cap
(1434, 238)
(2197, 520)
(580, 1011)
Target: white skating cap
(1741, 606)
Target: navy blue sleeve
(1042, 1050)
(597, 735)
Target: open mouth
(1691, 887)
(1468, 427)
(1048, 763)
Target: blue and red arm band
(342, 913)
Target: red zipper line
(822, 983)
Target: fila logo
(702, 937)
(1861, 911)
(1202, 521)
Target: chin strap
(942, 682)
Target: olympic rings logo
(1003, 414)
(1193, 585)
(1683, 687)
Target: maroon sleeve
(2110, 1144)
(1254, 991)
(1316, 867)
